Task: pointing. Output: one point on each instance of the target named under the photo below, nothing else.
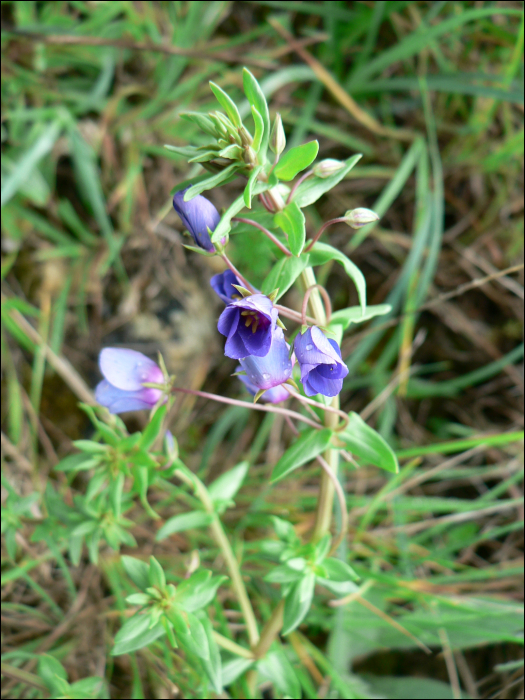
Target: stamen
(248, 321)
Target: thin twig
(246, 404)
(318, 404)
(326, 300)
(303, 177)
(267, 233)
(342, 503)
(339, 220)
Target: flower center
(251, 318)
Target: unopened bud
(244, 135)
(356, 218)
(250, 156)
(328, 167)
(277, 136)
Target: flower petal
(118, 400)
(128, 369)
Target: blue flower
(270, 371)
(319, 357)
(125, 371)
(248, 324)
(223, 286)
(198, 215)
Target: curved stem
(317, 404)
(326, 300)
(306, 175)
(267, 233)
(246, 404)
(236, 272)
(293, 315)
(321, 230)
(265, 203)
(227, 552)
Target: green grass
(91, 257)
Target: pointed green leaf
(224, 488)
(276, 668)
(295, 160)
(256, 98)
(354, 314)
(182, 522)
(308, 445)
(189, 632)
(248, 190)
(156, 575)
(138, 572)
(224, 226)
(212, 665)
(227, 104)
(226, 175)
(284, 273)
(291, 220)
(136, 633)
(203, 121)
(364, 442)
(153, 428)
(297, 603)
(311, 189)
(259, 130)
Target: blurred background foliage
(432, 94)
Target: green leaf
(248, 190)
(138, 599)
(221, 178)
(23, 170)
(213, 665)
(183, 151)
(182, 522)
(224, 488)
(153, 428)
(203, 121)
(291, 220)
(322, 253)
(189, 632)
(224, 226)
(354, 314)
(77, 463)
(297, 603)
(90, 446)
(198, 590)
(227, 104)
(116, 488)
(283, 274)
(137, 570)
(92, 687)
(256, 98)
(308, 445)
(364, 442)
(311, 189)
(51, 671)
(136, 633)
(156, 575)
(339, 570)
(295, 160)
(283, 574)
(276, 668)
(259, 130)
(234, 668)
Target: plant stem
(270, 631)
(227, 552)
(267, 233)
(327, 491)
(232, 646)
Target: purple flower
(270, 371)
(223, 286)
(124, 372)
(248, 325)
(198, 215)
(322, 369)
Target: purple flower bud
(248, 324)
(124, 372)
(275, 395)
(322, 369)
(198, 215)
(272, 369)
(222, 286)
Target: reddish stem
(320, 232)
(254, 406)
(306, 175)
(236, 272)
(270, 235)
(326, 299)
